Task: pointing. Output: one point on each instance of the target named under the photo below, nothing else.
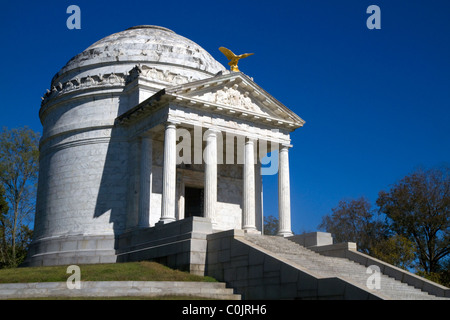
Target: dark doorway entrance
(193, 202)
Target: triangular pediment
(232, 96)
(236, 94)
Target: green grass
(130, 271)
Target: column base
(285, 233)
(165, 221)
(252, 231)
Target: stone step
(211, 290)
(343, 268)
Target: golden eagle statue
(233, 58)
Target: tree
(444, 273)
(396, 250)
(271, 225)
(353, 220)
(19, 160)
(3, 211)
(418, 208)
(23, 240)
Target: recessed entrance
(193, 205)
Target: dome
(148, 45)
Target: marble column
(248, 218)
(210, 191)
(169, 175)
(259, 215)
(145, 181)
(284, 193)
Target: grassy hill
(130, 271)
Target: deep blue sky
(376, 102)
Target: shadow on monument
(113, 188)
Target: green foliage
(444, 273)
(396, 250)
(416, 231)
(4, 208)
(271, 225)
(353, 221)
(418, 208)
(19, 161)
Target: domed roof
(143, 44)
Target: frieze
(77, 83)
(116, 79)
(158, 74)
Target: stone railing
(322, 243)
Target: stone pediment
(234, 97)
(236, 94)
(232, 94)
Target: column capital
(211, 132)
(285, 147)
(250, 140)
(171, 124)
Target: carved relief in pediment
(231, 96)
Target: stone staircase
(112, 289)
(328, 267)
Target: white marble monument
(145, 128)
